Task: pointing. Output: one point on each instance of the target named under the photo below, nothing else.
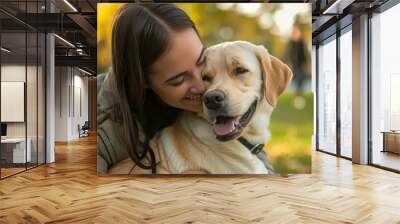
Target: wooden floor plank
(70, 191)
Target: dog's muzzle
(215, 100)
(224, 125)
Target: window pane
(327, 97)
(346, 94)
(385, 89)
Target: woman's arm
(110, 146)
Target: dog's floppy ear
(276, 75)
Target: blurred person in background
(296, 57)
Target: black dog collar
(254, 149)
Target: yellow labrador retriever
(243, 82)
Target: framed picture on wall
(12, 101)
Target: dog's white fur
(190, 146)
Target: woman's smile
(193, 98)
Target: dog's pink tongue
(224, 128)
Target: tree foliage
(216, 22)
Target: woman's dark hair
(140, 36)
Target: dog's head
(239, 76)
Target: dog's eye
(239, 71)
(206, 78)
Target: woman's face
(176, 76)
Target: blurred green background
(269, 24)
(291, 130)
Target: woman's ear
(275, 74)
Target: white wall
(61, 103)
(13, 73)
(80, 102)
(70, 83)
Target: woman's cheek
(179, 92)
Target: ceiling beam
(337, 7)
(86, 27)
(320, 22)
(77, 61)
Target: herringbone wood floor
(69, 191)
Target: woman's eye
(178, 81)
(206, 78)
(239, 71)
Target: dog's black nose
(214, 99)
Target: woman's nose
(198, 86)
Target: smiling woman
(154, 76)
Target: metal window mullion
(45, 94)
(0, 94)
(338, 98)
(26, 87)
(369, 91)
(45, 87)
(317, 97)
(73, 92)
(37, 90)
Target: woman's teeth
(194, 97)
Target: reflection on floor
(386, 159)
(11, 169)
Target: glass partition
(14, 153)
(22, 87)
